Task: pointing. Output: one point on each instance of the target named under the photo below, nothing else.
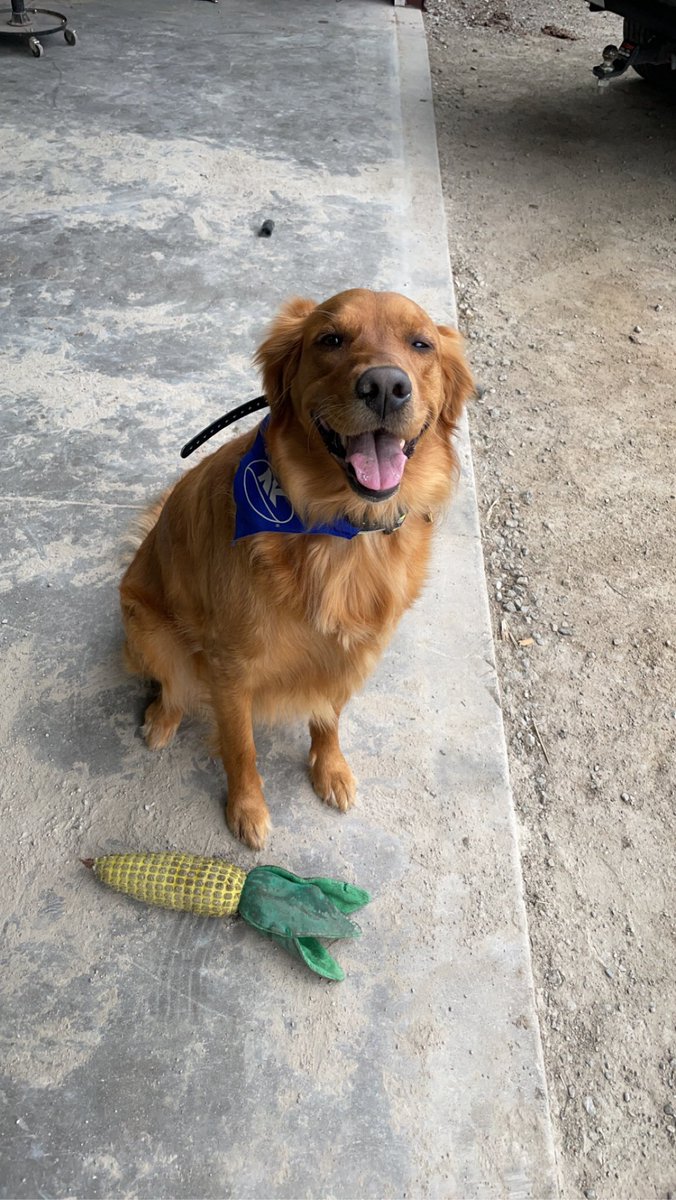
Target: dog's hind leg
(160, 722)
(154, 651)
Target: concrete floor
(148, 1054)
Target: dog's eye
(331, 341)
(421, 344)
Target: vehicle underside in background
(649, 41)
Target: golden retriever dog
(264, 623)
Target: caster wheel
(70, 36)
(36, 48)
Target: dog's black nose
(384, 389)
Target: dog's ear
(279, 354)
(457, 379)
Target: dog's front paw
(249, 820)
(333, 780)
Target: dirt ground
(562, 225)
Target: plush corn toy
(293, 911)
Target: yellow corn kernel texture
(208, 887)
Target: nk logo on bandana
(264, 495)
(262, 505)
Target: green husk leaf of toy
(345, 896)
(296, 912)
(313, 954)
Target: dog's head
(366, 379)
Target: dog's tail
(141, 527)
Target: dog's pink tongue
(377, 460)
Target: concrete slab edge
(429, 273)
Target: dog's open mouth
(374, 462)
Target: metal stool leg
(29, 24)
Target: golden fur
(278, 625)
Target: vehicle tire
(663, 75)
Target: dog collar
(262, 505)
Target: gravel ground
(562, 225)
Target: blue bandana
(263, 506)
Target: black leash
(244, 410)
